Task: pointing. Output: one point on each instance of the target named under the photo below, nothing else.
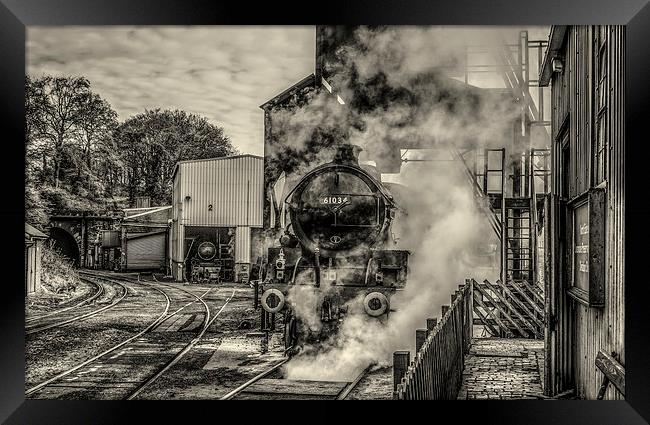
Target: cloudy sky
(222, 73)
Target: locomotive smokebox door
(339, 207)
(206, 251)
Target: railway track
(206, 324)
(270, 385)
(77, 312)
(99, 290)
(143, 356)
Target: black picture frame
(16, 14)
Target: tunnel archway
(66, 244)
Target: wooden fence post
(420, 337)
(445, 309)
(431, 323)
(470, 296)
(401, 361)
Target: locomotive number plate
(334, 200)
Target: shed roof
(130, 236)
(307, 81)
(141, 212)
(555, 40)
(33, 232)
(221, 158)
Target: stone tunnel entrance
(66, 244)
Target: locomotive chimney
(348, 154)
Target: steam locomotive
(205, 267)
(337, 248)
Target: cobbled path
(499, 368)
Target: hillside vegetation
(80, 156)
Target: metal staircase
(517, 240)
(510, 193)
(489, 195)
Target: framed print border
(15, 15)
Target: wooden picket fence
(511, 309)
(437, 369)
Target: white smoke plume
(446, 227)
(406, 71)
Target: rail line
(161, 318)
(342, 394)
(206, 324)
(36, 328)
(98, 293)
(164, 316)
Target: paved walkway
(500, 368)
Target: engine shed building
(34, 240)
(585, 282)
(144, 241)
(217, 200)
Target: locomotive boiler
(337, 247)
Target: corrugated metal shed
(243, 245)
(221, 192)
(32, 232)
(145, 251)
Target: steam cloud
(398, 92)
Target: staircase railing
(479, 193)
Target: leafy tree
(35, 101)
(96, 122)
(153, 141)
(94, 132)
(69, 145)
(80, 157)
(60, 108)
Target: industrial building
(144, 238)
(585, 255)
(219, 201)
(34, 240)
